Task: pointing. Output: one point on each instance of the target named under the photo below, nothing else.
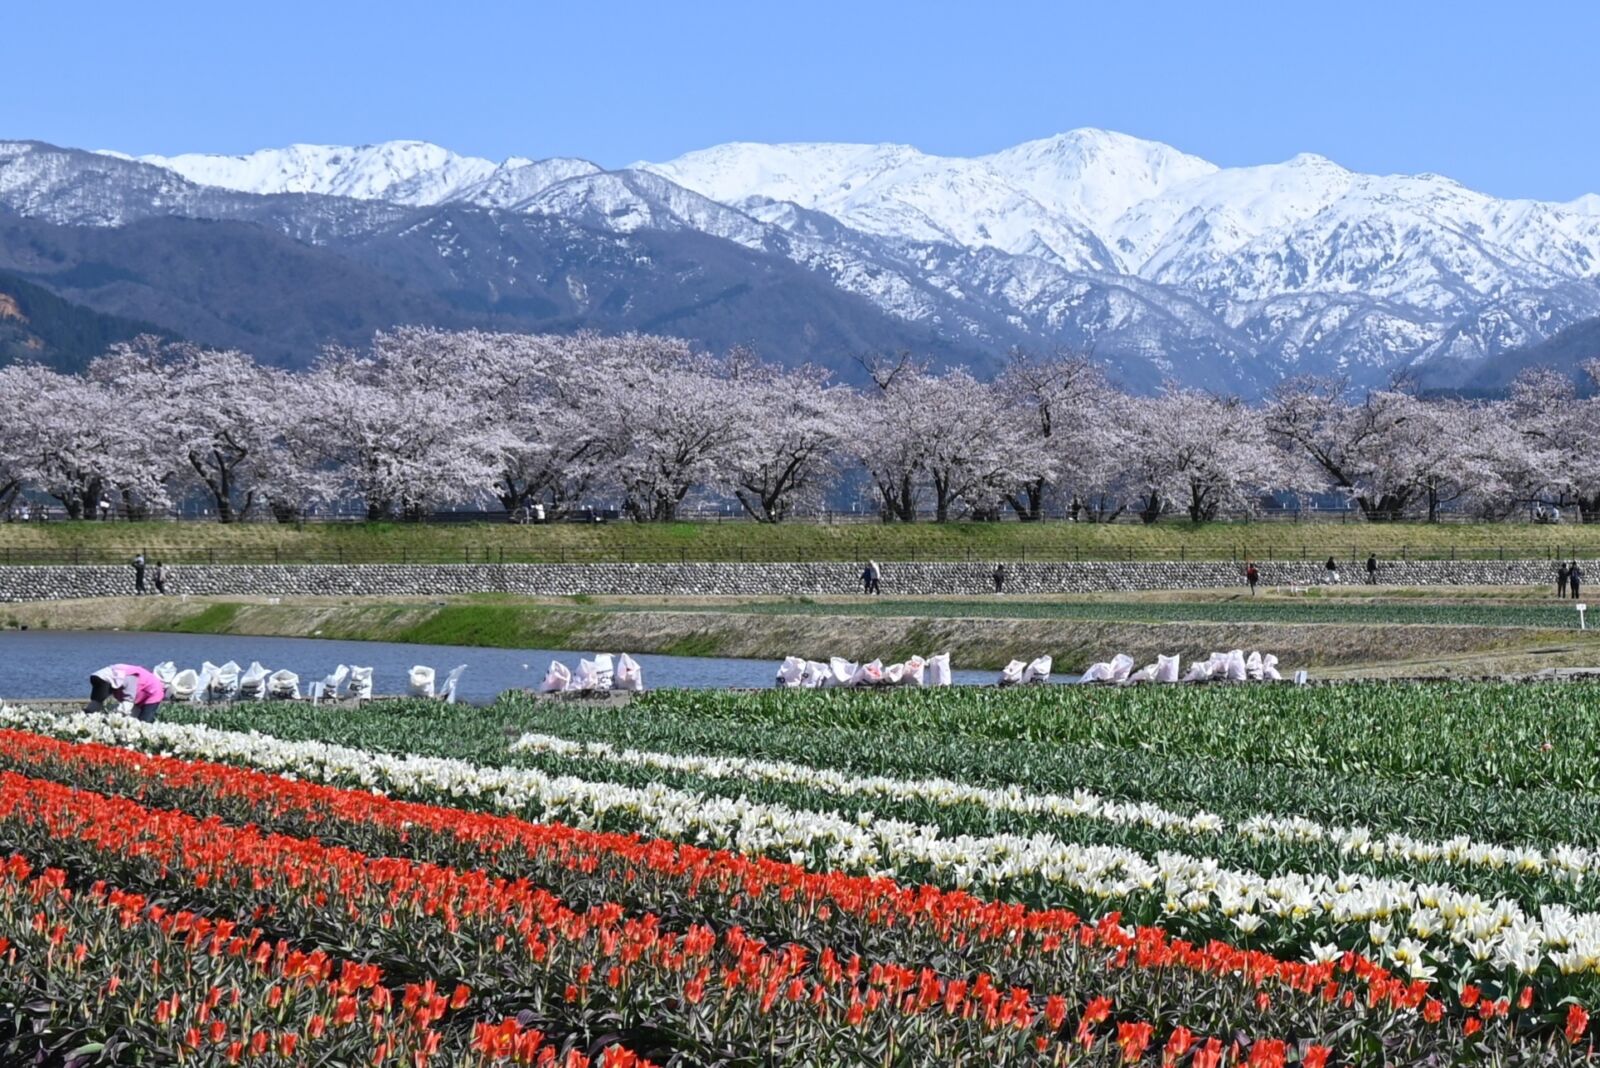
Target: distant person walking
(1575, 578)
(1332, 568)
(1372, 569)
(161, 574)
(1252, 576)
(130, 685)
(999, 578)
(870, 577)
(138, 574)
(1562, 576)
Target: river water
(56, 663)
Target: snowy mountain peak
(802, 173)
(1078, 154)
(401, 172)
(1087, 237)
(1588, 204)
(518, 179)
(1035, 199)
(1311, 160)
(1093, 175)
(404, 172)
(1096, 176)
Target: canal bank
(976, 643)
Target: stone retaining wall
(52, 583)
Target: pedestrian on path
(161, 574)
(999, 578)
(1575, 578)
(1562, 576)
(1372, 569)
(1252, 576)
(870, 576)
(1332, 568)
(138, 574)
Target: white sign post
(1581, 609)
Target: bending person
(130, 685)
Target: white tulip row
(1565, 862)
(1388, 912)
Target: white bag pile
(447, 689)
(1145, 674)
(1231, 666)
(815, 676)
(329, 685)
(222, 680)
(1019, 673)
(1117, 669)
(185, 685)
(868, 674)
(421, 681)
(791, 673)
(601, 675)
(630, 676)
(585, 679)
(798, 673)
(253, 682)
(283, 686)
(361, 683)
(557, 679)
(594, 675)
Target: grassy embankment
(194, 542)
(1451, 632)
(1466, 631)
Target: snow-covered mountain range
(1161, 262)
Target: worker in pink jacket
(130, 685)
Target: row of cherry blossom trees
(423, 418)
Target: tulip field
(1351, 874)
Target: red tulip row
(877, 917)
(459, 915)
(713, 995)
(110, 968)
(105, 970)
(711, 992)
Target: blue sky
(1503, 97)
